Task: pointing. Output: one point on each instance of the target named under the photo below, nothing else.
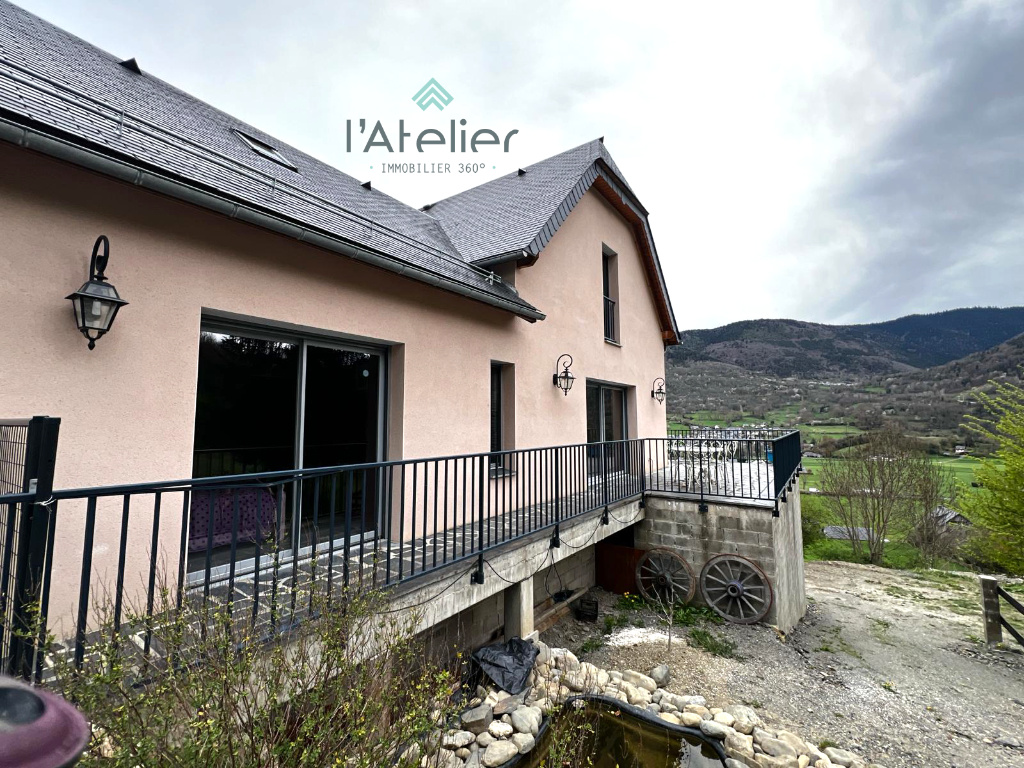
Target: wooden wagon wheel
(736, 589)
(663, 576)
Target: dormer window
(264, 149)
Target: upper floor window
(610, 282)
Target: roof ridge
(512, 173)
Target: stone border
(499, 728)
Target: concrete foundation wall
(788, 542)
(484, 622)
(775, 544)
(437, 598)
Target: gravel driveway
(886, 664)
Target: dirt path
(886, 664)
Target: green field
(962, 467)
(812, 433)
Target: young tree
(934, 536)
(998, 506)
(884, 481)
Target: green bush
(691, 615)
(713, 644)
(811, 521)
(630, 602)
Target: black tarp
(508, 664)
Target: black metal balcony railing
(248, 541)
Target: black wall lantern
(96, 302)
(658, 393)
(564, 378)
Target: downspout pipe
(147, 179)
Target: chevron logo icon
(432, 93)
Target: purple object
(256, 510)
(38, 729)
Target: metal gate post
(34, 529)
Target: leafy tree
(998, 506)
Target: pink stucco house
(283, 317)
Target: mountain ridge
(786, 347)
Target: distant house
(944, 517)
(942, 524)
(960, 450)
(842, 533)
(812, 455)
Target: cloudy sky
(836, 162)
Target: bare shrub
(349, 685)
(885, 482)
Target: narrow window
(610, 289)
(496, 410)
(502, 415)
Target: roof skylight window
(264, 149)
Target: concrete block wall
(479, 624)
(575, 572)
(775, 544)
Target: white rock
(840, 756)
(543, 653)
(777, 748)
(527, 720)
(794, 741)
(524, 742)
(500, 730)
(640, 680)
(715, 730)
(457, 739)
(661, 675)
(485, 739)
(724, 718)
(498, 753)
(736, 744)
(444, 758)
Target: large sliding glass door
(341, 424)
(265, 402)
(606, 422)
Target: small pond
(626, 737)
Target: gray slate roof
(944, 516)
(61, 86)
(842, 533)
(506, 214)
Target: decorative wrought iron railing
(248, 541)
